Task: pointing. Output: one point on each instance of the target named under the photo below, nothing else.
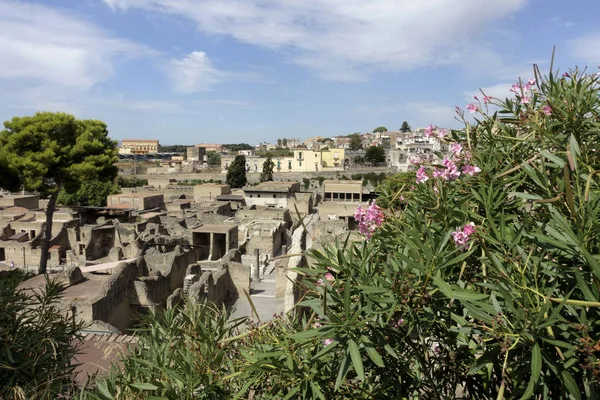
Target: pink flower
(442, 133)
(320, 282)
(437, 173)
(452, 171)
(515, 88)
(470, 170)
(462, 235)
(531, 81)
(327, 342)
(429, 130)
(456, 148)
(399, 323)
(422, 175)
(487, 99)
(329, 277)
(566, 75)
(469, 229)
(525, 99)
(547, 110)
(368, 221)
(472, 108)
(401, 198)
(415, 160)
(317, 325)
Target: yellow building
(332, 158)
(138, 146)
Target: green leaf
(553, 158)
(457, 259)
(292, 392)
(374, 355)
(458, 294)
(342, 372)
(305, 335)
(143, 386)
(536, 362)
(317, 391)
(570, 385)
(103, 389)
(356, 359)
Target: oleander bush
(479, 280)
(36, 342)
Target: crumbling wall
(111, 305)
(240, 277)
(286, 278)
(151, 291)
(172, 265)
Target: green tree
(49, 152)
(355, 141)
(236, 174)
(267, 172)
(405, 127)
(176, 148)
(375, 155)
(213, 159)
(380, 129)
(36, 361)
(238, 146)
(91, 193)
(278, 142)
(284, 143)
(359, 160)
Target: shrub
(36, 342)
(486, 284)
(306, 183)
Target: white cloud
(41, 45)
(586, 48)
(437, 114)
(499, 91)
(346, 39)
(194, 73)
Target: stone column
(256, 270)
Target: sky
(231, 71)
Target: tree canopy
(48, 152)
(380, 129)
(238, 146)
(405, 127)
(355, 141)
(236, 174)
(213, 159)
(267, 171)
(375, 155)
(91, 193)
(175, 148)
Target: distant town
(381, 148)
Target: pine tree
(405, 127)
(267, 171)
(236, 174)
(50, 152)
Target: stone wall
(112, 305)
(163, 180)
(285, 278)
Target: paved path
(262, 296)
(101, 267)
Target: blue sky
(192, 71)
